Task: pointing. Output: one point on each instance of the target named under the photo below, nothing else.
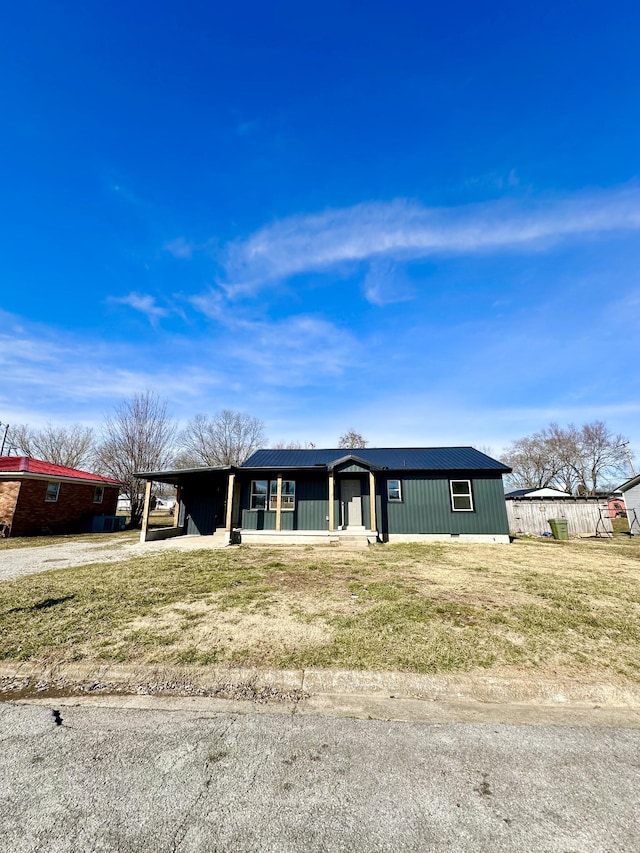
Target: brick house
(38, 496)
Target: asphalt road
(105, 779)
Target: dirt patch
(204, 628)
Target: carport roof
(173, 477)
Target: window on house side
(394, 490)
(53, 490)
(98, 495)
(461, 496)
(259, 494)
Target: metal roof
(175, 475)
(391, 458)
(21, 465)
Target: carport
(203, 502)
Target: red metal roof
(26, 465)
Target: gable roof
(542, 492)
(390, 458)
(22, 465)
(634, 481)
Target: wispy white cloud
(180, 247)
(385, 283)
(300, 349)
(143, 302)
(407, 230)
(48, 371)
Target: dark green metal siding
(312, 496)
(203, 508)
(426, 507)
(312, 504)
(260, 519)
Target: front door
(351, 503)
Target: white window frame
(288, 503)
(51, 498)
(467, 494)
(98, 495)
(253, 494)
(399, 490)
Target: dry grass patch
(123, 537)
(536, 606)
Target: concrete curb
(298, 685)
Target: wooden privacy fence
(584, 516)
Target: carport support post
(232, 479)
(372, 500)
(279, 502)
(176, 519)
(145, 511)
(331, 501)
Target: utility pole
(4, 438)
(625, 448)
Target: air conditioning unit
(107, 523)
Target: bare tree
(227, 438)
(71, 446)
(352, 440)
(294, 445)
(568, 458)
(602, 454)
(137, 436)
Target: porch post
(176, 519)
(372, 500)
(145, 511)
(232, 478)
(279, 503)
(331, 501)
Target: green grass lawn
(535, 607)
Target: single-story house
(631, 493)
(37, 496)
(333, 495)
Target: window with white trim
(53, 490)
(288, 503)
(98, 495)
(259, 494)
(394, 490)
(461, 495)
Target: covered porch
(329, 504)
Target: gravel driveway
(16, 562)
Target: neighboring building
(545, 492)
(631, 492)
(617, 508)
(298, 496)
(38, 497)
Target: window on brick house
(98, 495)
(53, 490)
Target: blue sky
(418, 220)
